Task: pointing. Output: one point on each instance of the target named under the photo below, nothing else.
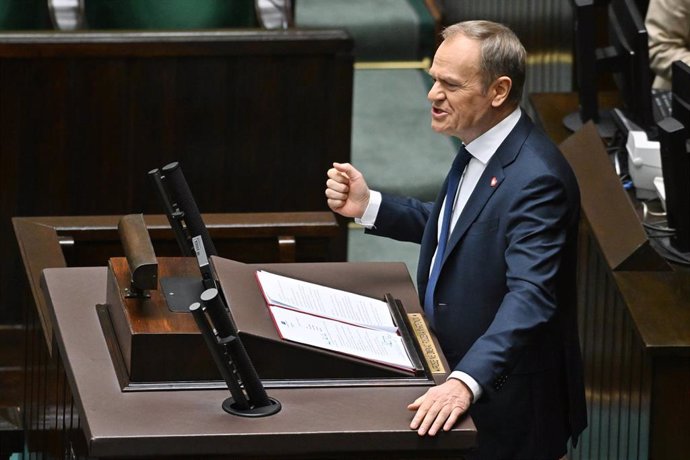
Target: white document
(370, 344)
(326, 302)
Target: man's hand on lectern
(347, 192)
(440, 407)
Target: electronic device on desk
(661, 104)
(674, 186)
(644, 155)
(641, 156)
(626, 58)
(587, 55)
(680, 101)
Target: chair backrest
(275, 14)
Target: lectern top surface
(191, 422)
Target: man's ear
(500, 90)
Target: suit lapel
(506, 154)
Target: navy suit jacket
(505, 310)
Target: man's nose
(435, 93)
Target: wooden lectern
(76, 405)
(332, 405)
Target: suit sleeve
(402, 219)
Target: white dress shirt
(481, 149)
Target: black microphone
(185, 200)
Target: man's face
(459, 105)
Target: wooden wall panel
(51, 421)
(618, 371)
(255, 118)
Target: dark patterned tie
(459, 164)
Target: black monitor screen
(630, 56)
(585, 52)
(675, 161)
(625, 57)
(585, 58)
(681, 93)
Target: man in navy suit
(497, 283)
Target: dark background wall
(254, 117)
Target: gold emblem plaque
(431, 355)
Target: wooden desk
(318, 421)
(634, 312)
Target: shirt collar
(484, 147)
